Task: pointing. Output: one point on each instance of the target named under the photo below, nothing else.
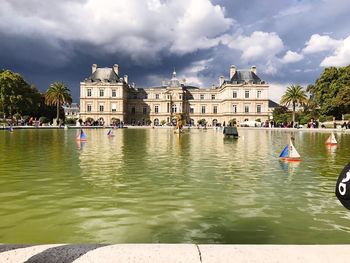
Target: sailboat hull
(291, 159)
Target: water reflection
(289, 167)
(149, 185)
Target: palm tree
(293, 95)
(58, 94)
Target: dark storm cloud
(47, 41)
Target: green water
(150, 186)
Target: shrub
(202, 122)
(43, 119)
(115, 121)
(25, 118)
(70, 121)
(162, 122)
(17, 116)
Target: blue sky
(290, 42)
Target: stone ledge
(174, 253)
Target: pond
(152, 186)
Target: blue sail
(284, 153)
(82, 135)
(10, 129)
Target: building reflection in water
(101, 157)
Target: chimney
(126, 79)
(93, 68)
(232, 71)
(221, 80)
(116, 69)
(253, 69)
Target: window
(168, 107)
(114, 93)
(156, 109)
(180, 97)
(258, 94)
(174, 108)
(246, 94)
(191, 109)
(102, 92)
(202, 96)
(89, 107)
(133, 110)
(213, 96)
(234, 95)
(203, 109)
(258, 108)
(215, 109)
(144, 110)
(246, 108)
(114, 107)
(89, 92)
(102, 107)
(157, 96)
(234, 108)
(146, 96)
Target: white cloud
(140, 29)
(260, 48)
(258, 45)
(291, 57)
(319, 43)
(341, 56)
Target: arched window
(156, 122)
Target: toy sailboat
(110, 133)
(10, 129)
(290, 154)
(81, 136)
(331, 140)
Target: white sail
(293, 153)
(331, 139)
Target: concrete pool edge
(174, 253)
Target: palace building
(107, 97)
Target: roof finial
(174, 73)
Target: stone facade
(243, 97)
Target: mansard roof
(245, 76)
(104, 75)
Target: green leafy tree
(294, 95)
(16, 95)
(57, 95)
(331, 91)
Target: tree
(58, 94)
(331, 91)
(294, 95)
(16, 95)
